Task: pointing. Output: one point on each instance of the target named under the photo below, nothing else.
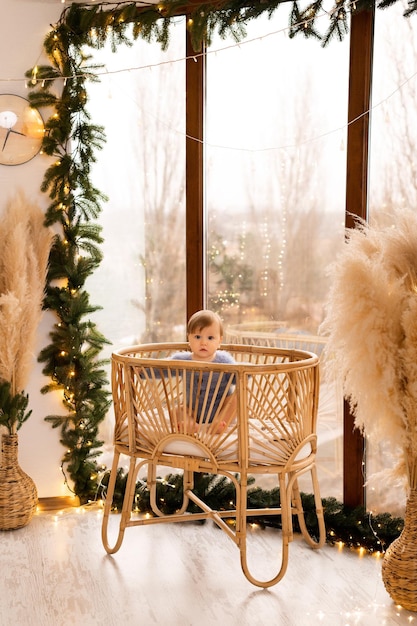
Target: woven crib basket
(399, 567)
(18, 494)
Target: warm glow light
(34, 73)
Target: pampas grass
(24, 251)
(371, 324)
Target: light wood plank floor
(55, 572)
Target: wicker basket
(18, 494)
(399, 567)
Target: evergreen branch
(13, 407)
(388, 3)
(338, 24)
(412, 8)
(55, 420)
(303, 22)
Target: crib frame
(273, 432)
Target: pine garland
(350, 527)
(72, 358)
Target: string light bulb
(34, 75)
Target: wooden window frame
(357, 170)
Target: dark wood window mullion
(195, 235)
(360, 83)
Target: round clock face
(21, 130)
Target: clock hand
(9, 130)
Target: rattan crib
(273, 431)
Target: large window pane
(141, 103)
(276, 161)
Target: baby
(205, 334)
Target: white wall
(23, 26)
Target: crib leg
(188, 484)
(313, 543)
(286, 533)
(127, 504)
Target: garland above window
(80, 24)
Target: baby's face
(205, 342)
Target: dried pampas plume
(371, 324)
(25, 244)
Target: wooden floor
(55, 572)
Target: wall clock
(21, 130)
